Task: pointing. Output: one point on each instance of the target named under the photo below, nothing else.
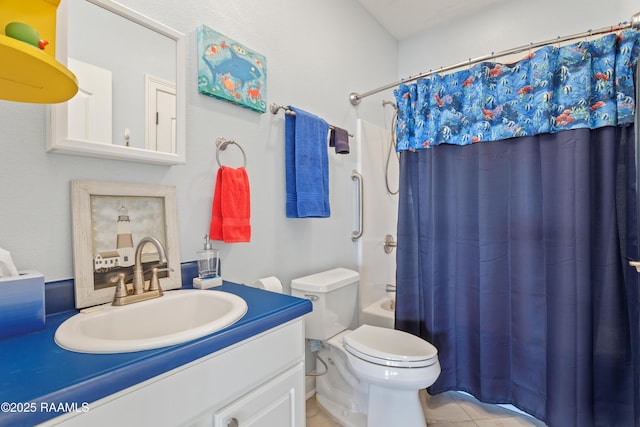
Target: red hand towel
(215, 229)
(231, 210)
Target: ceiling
(406, 18)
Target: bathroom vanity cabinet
(256, 382)
(250, 373)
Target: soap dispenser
(208, 266)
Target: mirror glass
(130, 70)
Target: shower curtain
(513, 254)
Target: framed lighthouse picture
(110, 220)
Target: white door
(90, 113)
(161, 115)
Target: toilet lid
(390, 347)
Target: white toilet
(374, 373)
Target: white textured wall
(511, 24)
(318, 51)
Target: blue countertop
(38, 379)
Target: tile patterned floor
(444, 410)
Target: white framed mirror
(131, 75)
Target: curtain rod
(355, 98)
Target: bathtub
(381, 313)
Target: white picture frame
(109, 219)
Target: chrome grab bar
(355, 176)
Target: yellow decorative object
(25, 33)
(29, 74)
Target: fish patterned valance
(589, 84)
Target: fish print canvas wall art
(230, 71)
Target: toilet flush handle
(311, 297)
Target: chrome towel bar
(274, 108)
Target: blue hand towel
(307, 165)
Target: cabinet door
(279, 402)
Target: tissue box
(21, 304)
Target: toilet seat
(390, 347)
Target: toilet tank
(334, 295)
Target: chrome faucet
(138, 274)
(122, 296)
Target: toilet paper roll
(270, 283)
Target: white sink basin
(176, 317)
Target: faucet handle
(121, 287)
(154, 283)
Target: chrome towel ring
(222, 143)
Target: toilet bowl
(395, 358)
(339, 391)
(374, 373)
(396, 365)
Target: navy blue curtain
(513, 261)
